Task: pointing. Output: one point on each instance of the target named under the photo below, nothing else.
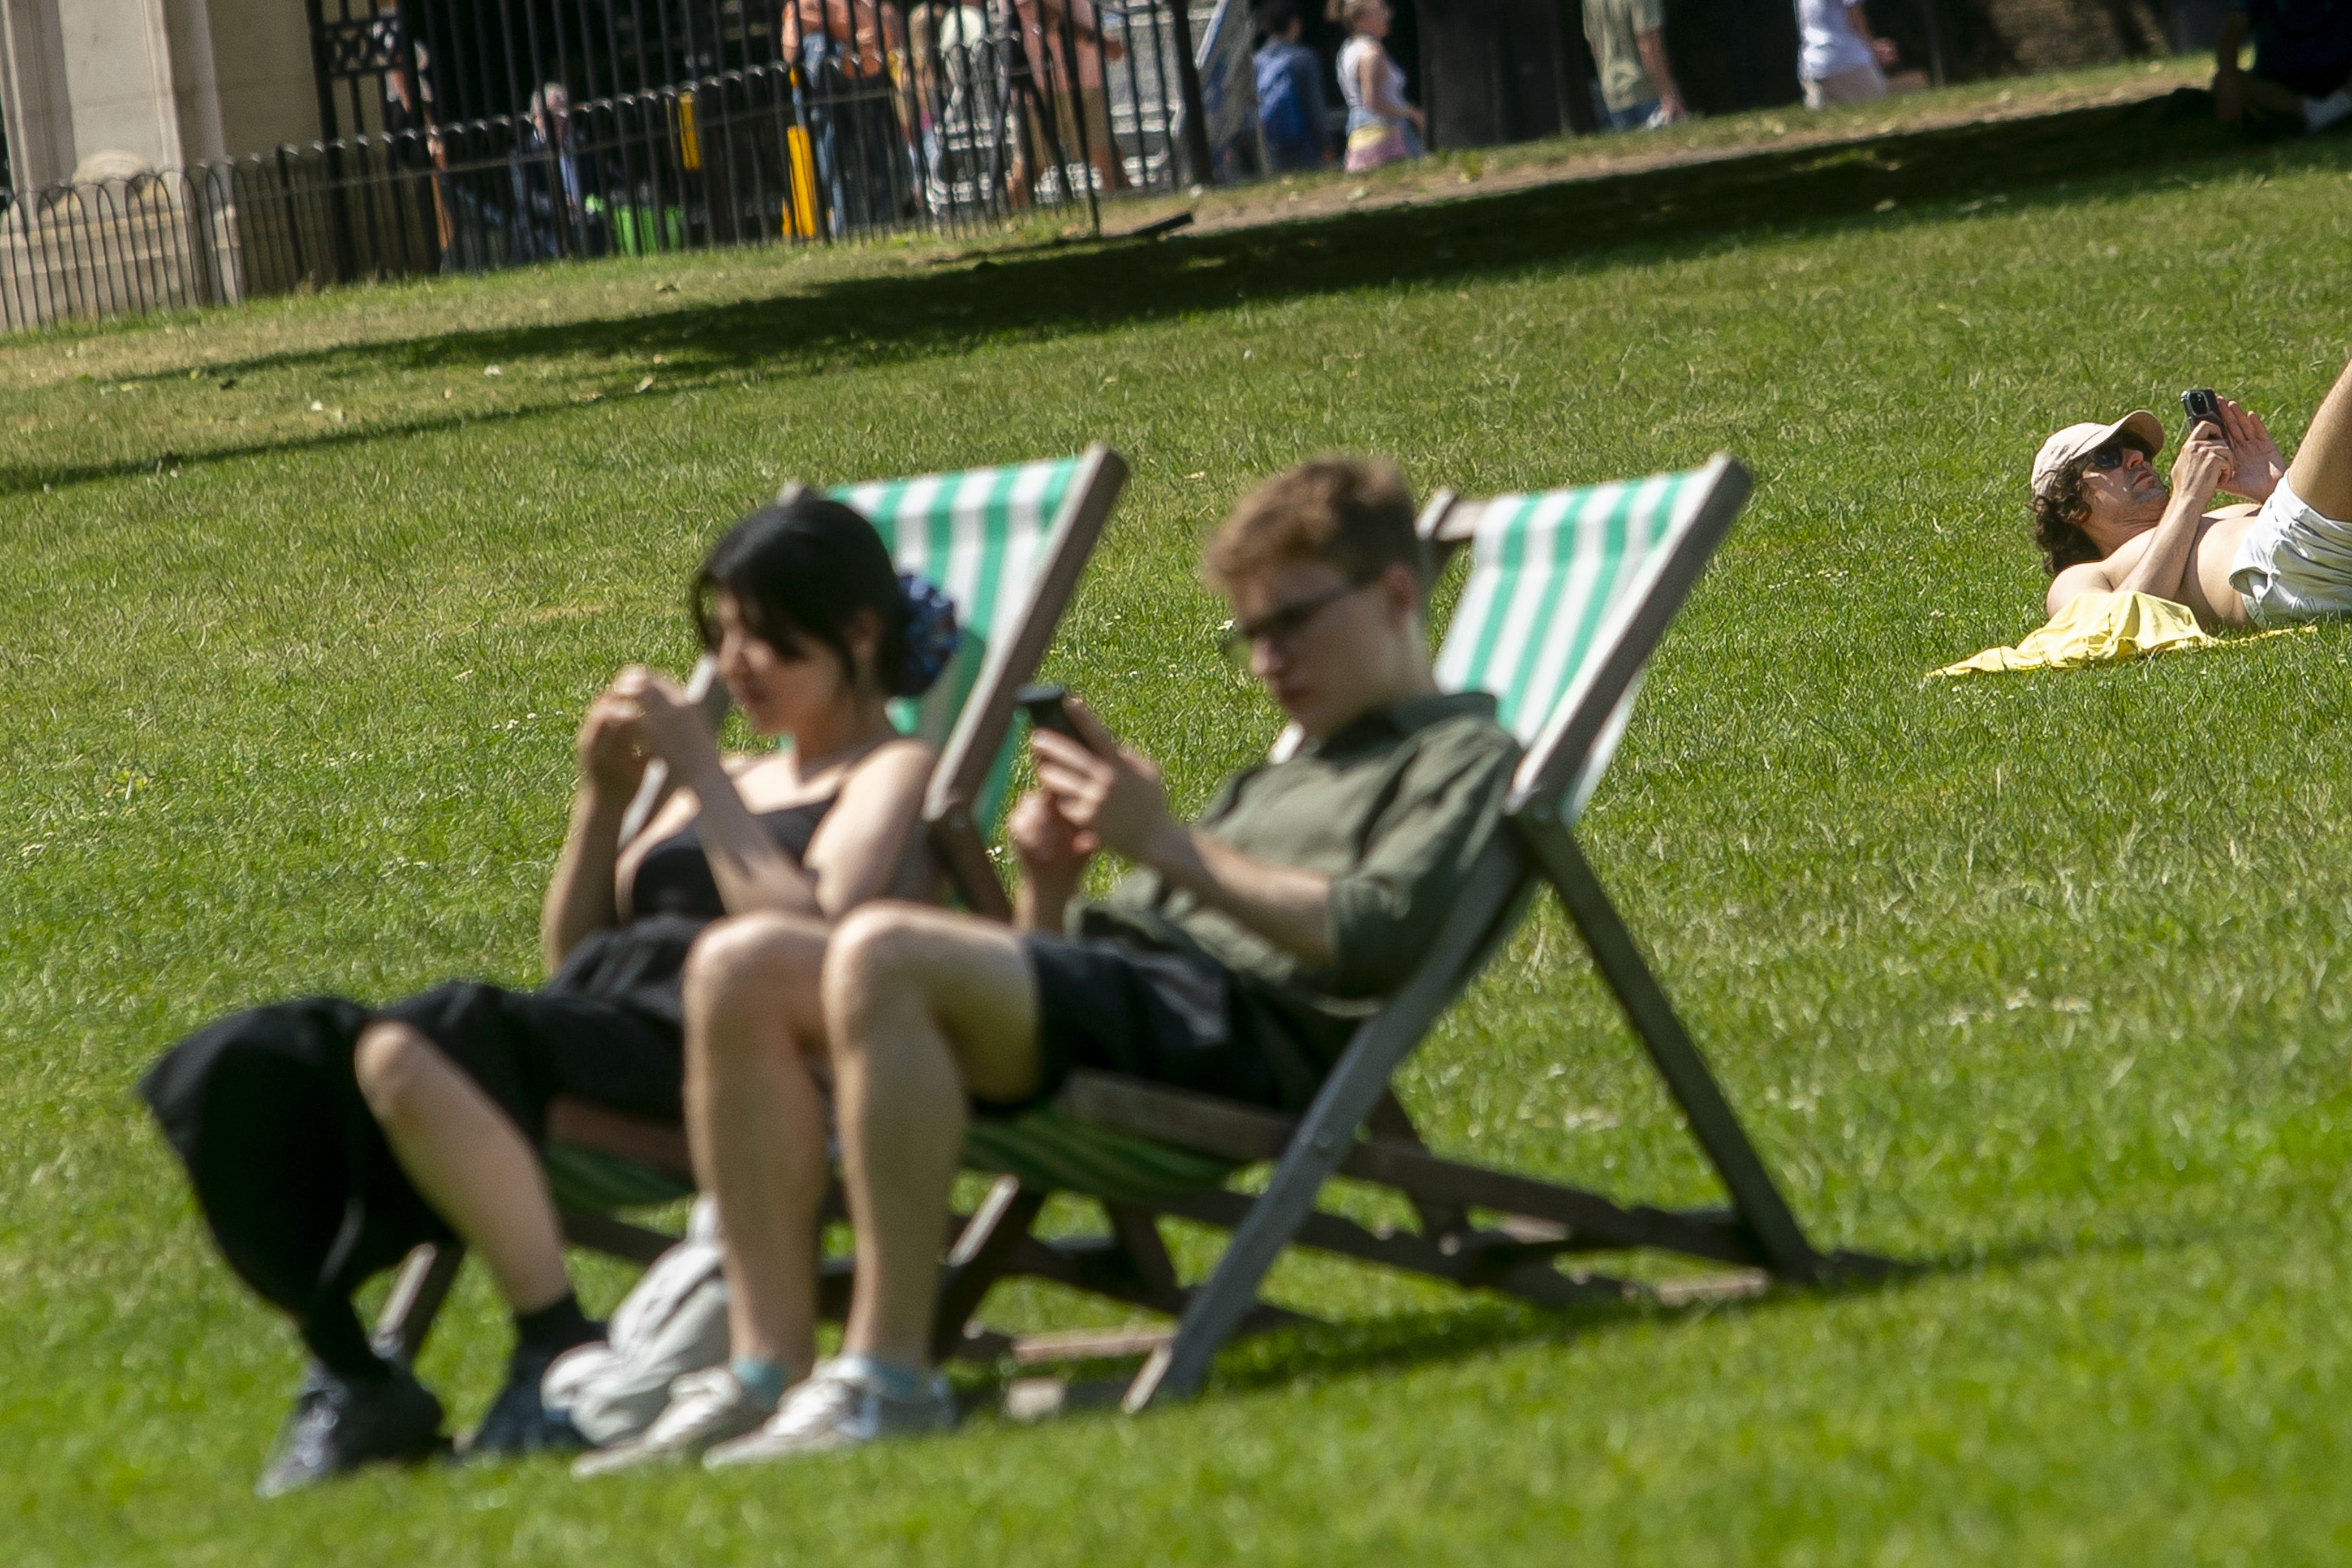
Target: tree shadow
(934, 312)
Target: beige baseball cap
(2076, 439)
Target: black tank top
(674, 877)
(673, 898)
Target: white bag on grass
(673, 1322)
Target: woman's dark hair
(799, 571)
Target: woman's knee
(392, 1062)
(748, 958)
(873, 942)
(878, 952)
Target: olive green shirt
(1395, 808)
(1613, 28)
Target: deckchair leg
(417, 1293)
(1391, 1119)
(1761, 1208)
(1325, 1135)
(983, 1249)
(1138, 1233)
(1218, 1307)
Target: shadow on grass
(1315, 1350)
(927, 312)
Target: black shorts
(525, 1048)
(2307, 80)
(1160, 1016)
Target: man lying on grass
(1236, 960)
(2106, 524)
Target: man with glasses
(2106, 524)
(1236, 959)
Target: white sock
(2319, 113)
(902, 1384)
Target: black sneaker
(518, 1422)
(337, 1426)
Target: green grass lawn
(2040, 982)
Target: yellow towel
(2094, 628)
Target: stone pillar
(33, 92)
(91, 84)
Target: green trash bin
(635, 230)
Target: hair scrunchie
(933, 634)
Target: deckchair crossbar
(1481, 1259)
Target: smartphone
(2203, 408)
(1044, 706)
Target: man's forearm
(1042, 905)
(2160, 571)
(1652, 46)
(1289, 907)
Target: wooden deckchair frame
(950, 803)
(1356, 1127)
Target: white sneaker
(841, 1405)
(705, 1408)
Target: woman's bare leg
(2322, 470)
(755, 1121)
(466, 1159)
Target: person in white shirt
(1838, 59)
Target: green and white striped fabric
(1551, 577)
(1051, 1151)
(979, 536)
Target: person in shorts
(2105, 521)
(1237, 959)
(1839, 60)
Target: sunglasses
(1279, 626)
(2111, 456)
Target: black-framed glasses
(2111, 456)
(1237, 638)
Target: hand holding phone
(2203, 406)
(1044, 706)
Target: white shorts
(1859, 85)
(2293, 564)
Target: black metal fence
(968, 122)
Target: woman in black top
(324, 1140)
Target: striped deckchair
(1568, 594)
(1007, 545)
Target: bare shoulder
(741, 765)
(897, 761)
